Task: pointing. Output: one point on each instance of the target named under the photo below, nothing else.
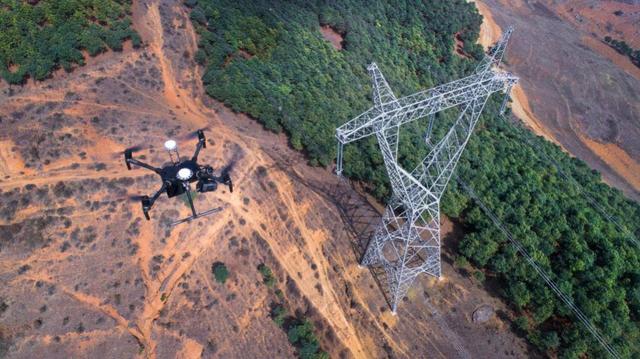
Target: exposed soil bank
(331, 35)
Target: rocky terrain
(575, 90)
(84, 275)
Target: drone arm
(199, 146)
(202, 143)
(147, 202)
(157, 194)
(142, 164)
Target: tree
(220, 272)
(267, 276)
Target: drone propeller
(194, 134)
(135, 198)
(134, 148)
(225, 173)
(128, 154)
(145, 201)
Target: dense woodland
(36, 37)
(268, 59)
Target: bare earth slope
(82, 274)
(575, 94)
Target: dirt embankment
(84, 275)
(570, 90)
(490, 32)
(333, 36)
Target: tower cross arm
(424, 103)
(362, 126)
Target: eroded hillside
(575, 90)
(84, 275)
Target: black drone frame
(178, 175)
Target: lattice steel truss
(407, 241)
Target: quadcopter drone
(178, 175)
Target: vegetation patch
(623, 48)
(300, 332)
(267, 275)
(185, 198)
(220, 272)
(37, 37)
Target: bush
(301, 336)
(267, 276)
(220, 272)
(278, 315)
(522, 324)
(185, 199)
(479, 275)
(461, 262)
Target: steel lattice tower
(407, 241)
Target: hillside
(592, 105)
(299, 82)
(84, 275)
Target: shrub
(461, 262)
(479, 275)
(302, 337)
(278, 315)
(185, 199)
(220, 272)
(267, 276)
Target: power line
(541, 272)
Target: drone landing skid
(196, 216)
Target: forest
(37, 37)
(268, 59)
(623, 48)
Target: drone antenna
(172, 148)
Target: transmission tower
(407, 241)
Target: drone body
(178, 175)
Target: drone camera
(206, 185)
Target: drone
(178, 175)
